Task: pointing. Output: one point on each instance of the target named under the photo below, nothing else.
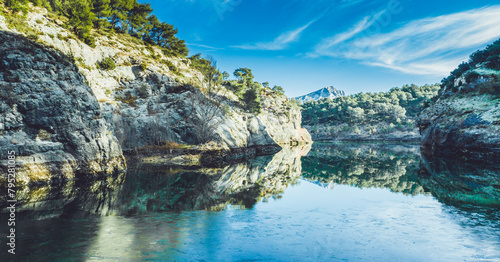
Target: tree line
(396, 107)
(124, 16)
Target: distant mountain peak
(325, 92)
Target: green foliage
(252, 100)
(488, 58)
(399, 105)
(17, 5)
(143, 91)
(244, 75)
(107, 64)
(127, 16)
(17, 22)
(171, 66)
(81, 19)
(471, 76)
(236, 87)
(279, 89)
(143, 66)
(208, 67)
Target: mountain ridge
(325, 92)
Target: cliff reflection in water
(365, 165)
(459, 181)
(150, 188)
(156, 189)
(94, 196)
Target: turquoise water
(347, 202)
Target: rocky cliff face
(64, 112)
(151, 99)
(465, 119)
(49, 117)
(325, 92)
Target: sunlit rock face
(458, 181)
(157, 189)
(150, 98)
(185, 115)
(364, 165)
(50, 118)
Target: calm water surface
(339, 202)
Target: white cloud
(429, 46)
(203, 46)
(280, 43)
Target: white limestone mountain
(325, 92)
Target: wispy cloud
(204, 46)
(432, 46)
(280, 43)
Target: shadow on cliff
(52, 120)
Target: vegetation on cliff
(483, 67)
(122, 16)
(153, 98)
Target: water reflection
(162, 214)
(365, 165)
(95, 196)
(461, 182)
(158, 189)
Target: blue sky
(353, 45)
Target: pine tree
(137, 18)
(119, 12)
(252, 100)
(81, 19)
(102, 9)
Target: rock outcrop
(465, 116)
(49, 117)
(151, 98)
(467, 125)
(325, 92)
(64, 113)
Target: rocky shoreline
(197, 156)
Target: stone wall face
(49, 116)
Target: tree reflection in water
(365, 165)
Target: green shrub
(143, 91)
(107, 64)
(143, 66)
(471, 76)
(252, 101)
(170, 66)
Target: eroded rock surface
(49, 117)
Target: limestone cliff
(465, 117)
(150, 98)
(68, 108)
(49, 116)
